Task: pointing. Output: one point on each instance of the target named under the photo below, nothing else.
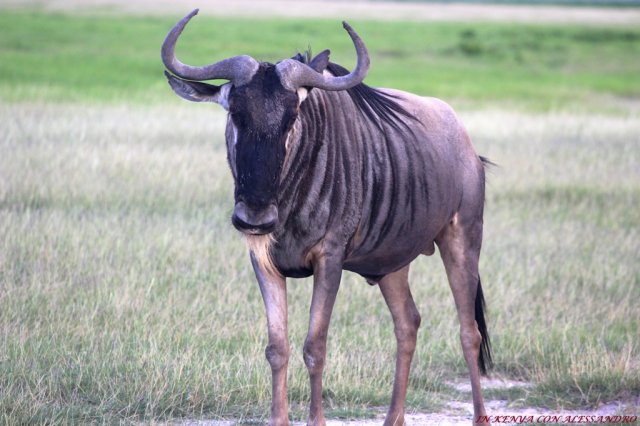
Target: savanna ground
(127, 297)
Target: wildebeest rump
(331, 174)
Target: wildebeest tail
(484, 360)
(486, 162)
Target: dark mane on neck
(377, 106)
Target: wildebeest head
(262, 101)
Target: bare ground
(457, 413)
(348, 10)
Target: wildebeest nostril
(252, 221)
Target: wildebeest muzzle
(254, 222)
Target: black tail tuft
(484, 360)
(486, 162)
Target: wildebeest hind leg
(459, 245)
(406, 320)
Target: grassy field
(126, 296)
(105, 58)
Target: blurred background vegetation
(57, 57)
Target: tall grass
(126, 295)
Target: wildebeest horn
(238, 69)
(296, 74)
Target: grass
(126, 296)
(55, 57)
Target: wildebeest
(333, 175)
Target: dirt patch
(348, 10)
(457, 413)
(491, 383)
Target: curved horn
(295, 74)
(238, 69)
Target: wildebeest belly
(376, 257)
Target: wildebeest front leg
(274, 295)
(406, 320)
(326, 282)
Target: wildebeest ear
(298, 57)
(320, 61)
(196, 91)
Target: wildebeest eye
(236, 118)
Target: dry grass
(127, 295)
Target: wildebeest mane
(379, 107)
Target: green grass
(126, 295)
(55, 57)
